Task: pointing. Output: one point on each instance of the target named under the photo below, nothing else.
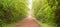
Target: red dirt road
(28, 23)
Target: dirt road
(28, 23)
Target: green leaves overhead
(45, 11)
(12, 11)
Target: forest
(45, 11)
(12, 11)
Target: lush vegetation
(12, 11)
(47, 11)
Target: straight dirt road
(28, 23)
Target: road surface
(28, 23)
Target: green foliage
(12, 11)
(46, 11)
(57, 14)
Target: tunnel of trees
(45, 11)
